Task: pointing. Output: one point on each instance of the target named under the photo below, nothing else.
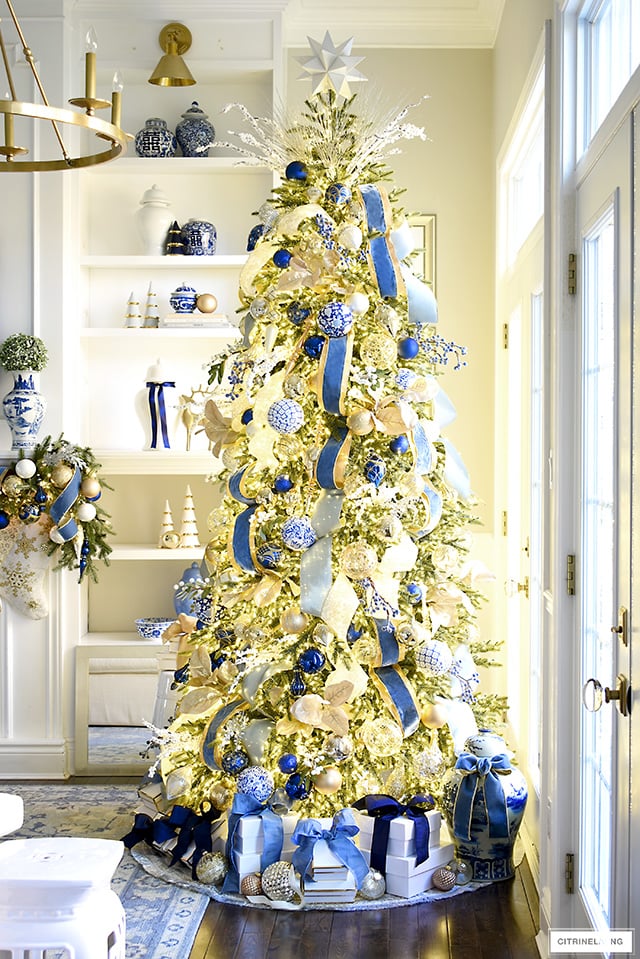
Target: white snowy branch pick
(331, 67)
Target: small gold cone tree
(334, 649)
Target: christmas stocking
(23, 566)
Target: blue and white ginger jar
(24, 408)
(199, 238)
(183, 299)
(195, 134)
(155, 139)
(484, 800)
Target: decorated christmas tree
(334, 649)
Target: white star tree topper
(331, 67)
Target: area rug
(117, 744)
(162, 918)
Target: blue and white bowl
(152, 627)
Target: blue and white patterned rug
(162, 918)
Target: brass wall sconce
(172, 71)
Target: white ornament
(359, 303)
(25, 468)
(331, 67)
(350, 237)
(86, 512)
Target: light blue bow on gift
(339, 839)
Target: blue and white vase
(483, 801)
(24, 408)
(183, 299)
(199, 238)
(155, 139)
(194, 133)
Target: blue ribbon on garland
(156, 391)
(329, 464)
(387, 642)
(208, 743)
(240, 534)
(381, 249)
(63, 503)
(384, 809)
(245, 805)
(394, 683)
(481, 773)
(339, 839)
(335, 363)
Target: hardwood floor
(497, 922)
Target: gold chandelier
(103, 129)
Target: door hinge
(568, 872)
(571, 274)
(504, 522)
(571, 575)
(505, 336)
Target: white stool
(55, 893)
(11, 813)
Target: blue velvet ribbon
(400, 697)
(481, 772)
(183, 823)
(339, 839)
(381, 249)
(208, 743)
(244, 805)
(234, 485)
(241, 540)
(387, 642)
(63, 503)
(329, 464)
(335, 363)
(385, 808)
(156, 392)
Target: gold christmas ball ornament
(360, 422)
(350, 236)
(90, 487)
(295, 386)
(373, 885)
(328, 781)
(251, 885)
(212, 868)
(293, 620)
(61, 474)
(171, 539)
(13, 485)
(443, 879)
(229, 459)
(433, 716)
(379, 350)
(277, 882)
(217, 522)
(206, 303)
(355, 486)
(221, 797)
(382, 736)
(359, 560)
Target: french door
(604, 528)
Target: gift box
(402, 838)
(325, 864)
(218, 841)
(405, 878)
(152, 798)
(249, 836)
(330, 890)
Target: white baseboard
(33, 760)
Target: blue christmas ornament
(40, 496)
(29, 513)
(297, 687)
(282, 258)
(296, 787)
(282, 484)
(375, 469)
(254, 235)
(234, 761)
(181, 675)
(255, 781)
(246, 417)
(298, 533)
(5, 519)
(415, 593)
(353, 633)
(335, 318)
(399, 444)
(296, 170)
(85, 549)
(288, 763)
(298, 313)
(285, 416)
(408, 348)
(338, 193)
(313, 346)
(311, 660)
(268, 555)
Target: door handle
(593, 695)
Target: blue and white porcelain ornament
(465, 678)
(183, 299)
(338, 193)
(285, 416)
(335, 318)
(268, 555)
(484, 800)
(298, 533)
(155, 139)
(257, 782)
(195, 134)
(255, 233)
(375, 469)
(404, 378)
(434, 657)
(200, 238)
(296, 170)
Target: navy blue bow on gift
(385, 808)
(481, 772)
(339, 839)
(184, 824)
(244, 805)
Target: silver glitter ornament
(295, 385)
(276, 882)
(337, 747)
(462, 871)
(212, 868)
(373, 885)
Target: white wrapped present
(405, 878)
(402, 835)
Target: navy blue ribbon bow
(339, 839)
(157, 390)
(244, 805)
(185, 824)
(385, 808)
(481, 772)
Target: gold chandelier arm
(7, 68)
